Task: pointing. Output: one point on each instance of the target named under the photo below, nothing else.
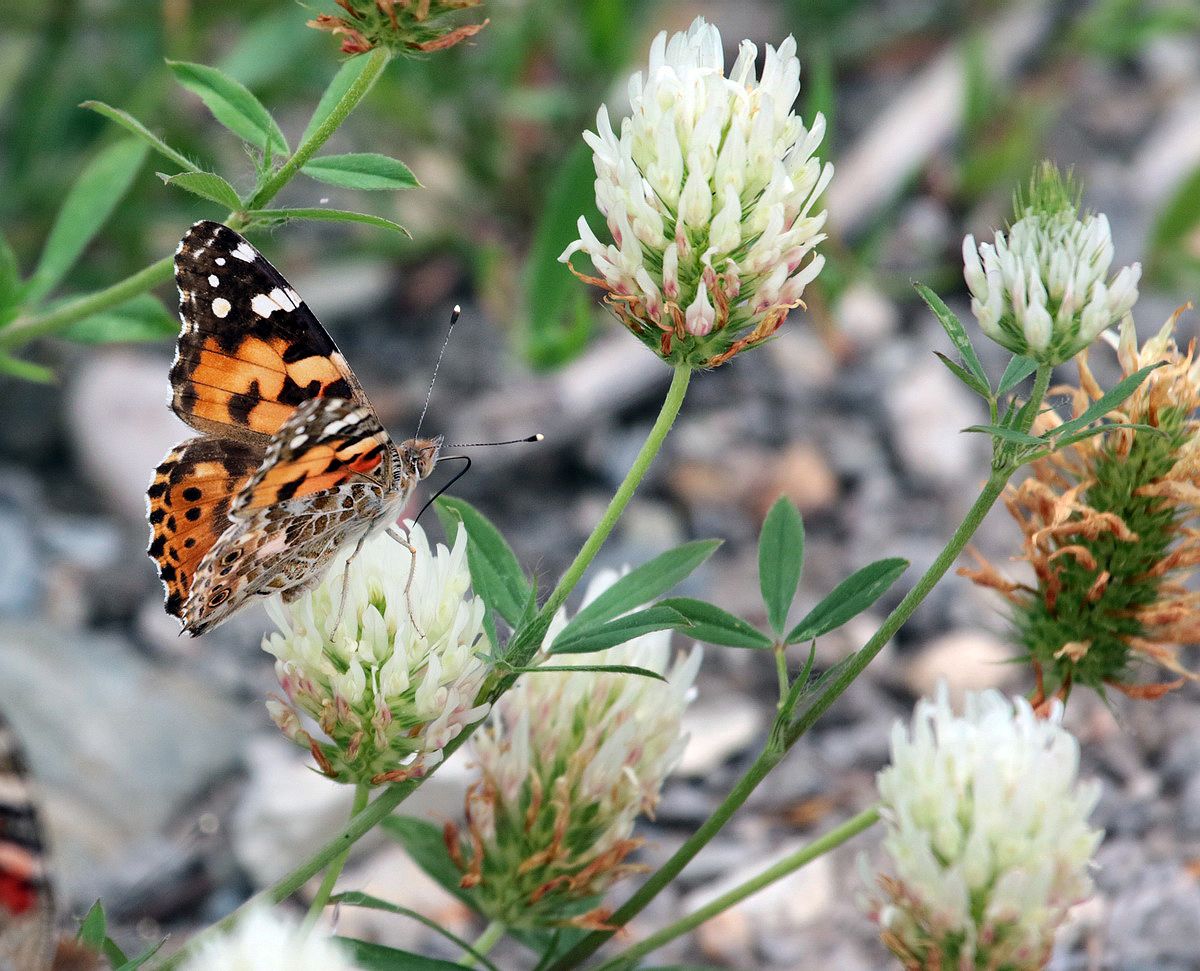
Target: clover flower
(1109, 527)
(986, 835)
(266, 941)
(1042, 289)
(567, 761)
(710, 196)
(402, 25)
(391, 677)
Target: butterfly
(27, 937)
(291, 466)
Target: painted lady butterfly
(27, 940)
(292, 464)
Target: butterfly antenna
(466, 460)
(454, 315)
(512, 441)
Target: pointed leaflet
(232, 105)
(599, 668)
(89, 203)
(640, 586)
(963, 375)
(131, 124)
(780, 560)
(266, 217)
(362, 170)
(589, 638)
(711, 624)
(356, 899)
(1019, 368)
(848, 599)
(378, 957)
(495, 573)
(1107, 402)
(206, 185)
(955, 331)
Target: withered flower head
(1110, 531)
(402, 25)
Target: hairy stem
(362, 793)
(789, 864)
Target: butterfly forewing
(250, 351)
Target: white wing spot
(221, 307)
(245, 252)
(213, 280)
(179, 248)
(263, 305)
(220, 261)
(299, 440)
(288, 295)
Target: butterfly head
(418, 456)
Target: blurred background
(170, 794)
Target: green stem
(772, 753)
(789, 864)
(362, 794)
(484, 943)
(377, 60)
(782, 673)
(24, 329)
(383, 805)
(637, 471)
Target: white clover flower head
(710, 194)
(393, 679)
(567, 762)
(987, 834)
(267, 941)
(1042, 289)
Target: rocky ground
(171, 796)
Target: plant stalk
(484, 943)
(789, 864)
(854, 667)
(362, 794)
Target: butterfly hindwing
(26, 909)
(189, 502)
(250, 351)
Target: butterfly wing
(26, 908)
(329, 476)
(250, 351)
(189, 502)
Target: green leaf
(88, 204)
(347, 74)
(963, 375)
(207, 185)
(1110, 400)
(713, 625)
(377, 957)
(650, 580)
(848, 599)
(1007, 434)
(780, 560)
(94, 928)
(559, 309)
(267, 216)
(1102, 429)
(269, 48)
(955, 331)
(362, 170)
(495, 573)
(131, 124)
(11, 290)
(142, 958)
(1173, 262)
(1019, 368)
(356, 899)
(143, 318)
(424, 842)
(232, 104)
(601, 668)
(26, 370)
(590, 638)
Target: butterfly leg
(346, 583)
(403, 541)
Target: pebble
(966, 660)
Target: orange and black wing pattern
(26, 910)
(189, 502)
(250, 351)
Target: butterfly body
(292, 464)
